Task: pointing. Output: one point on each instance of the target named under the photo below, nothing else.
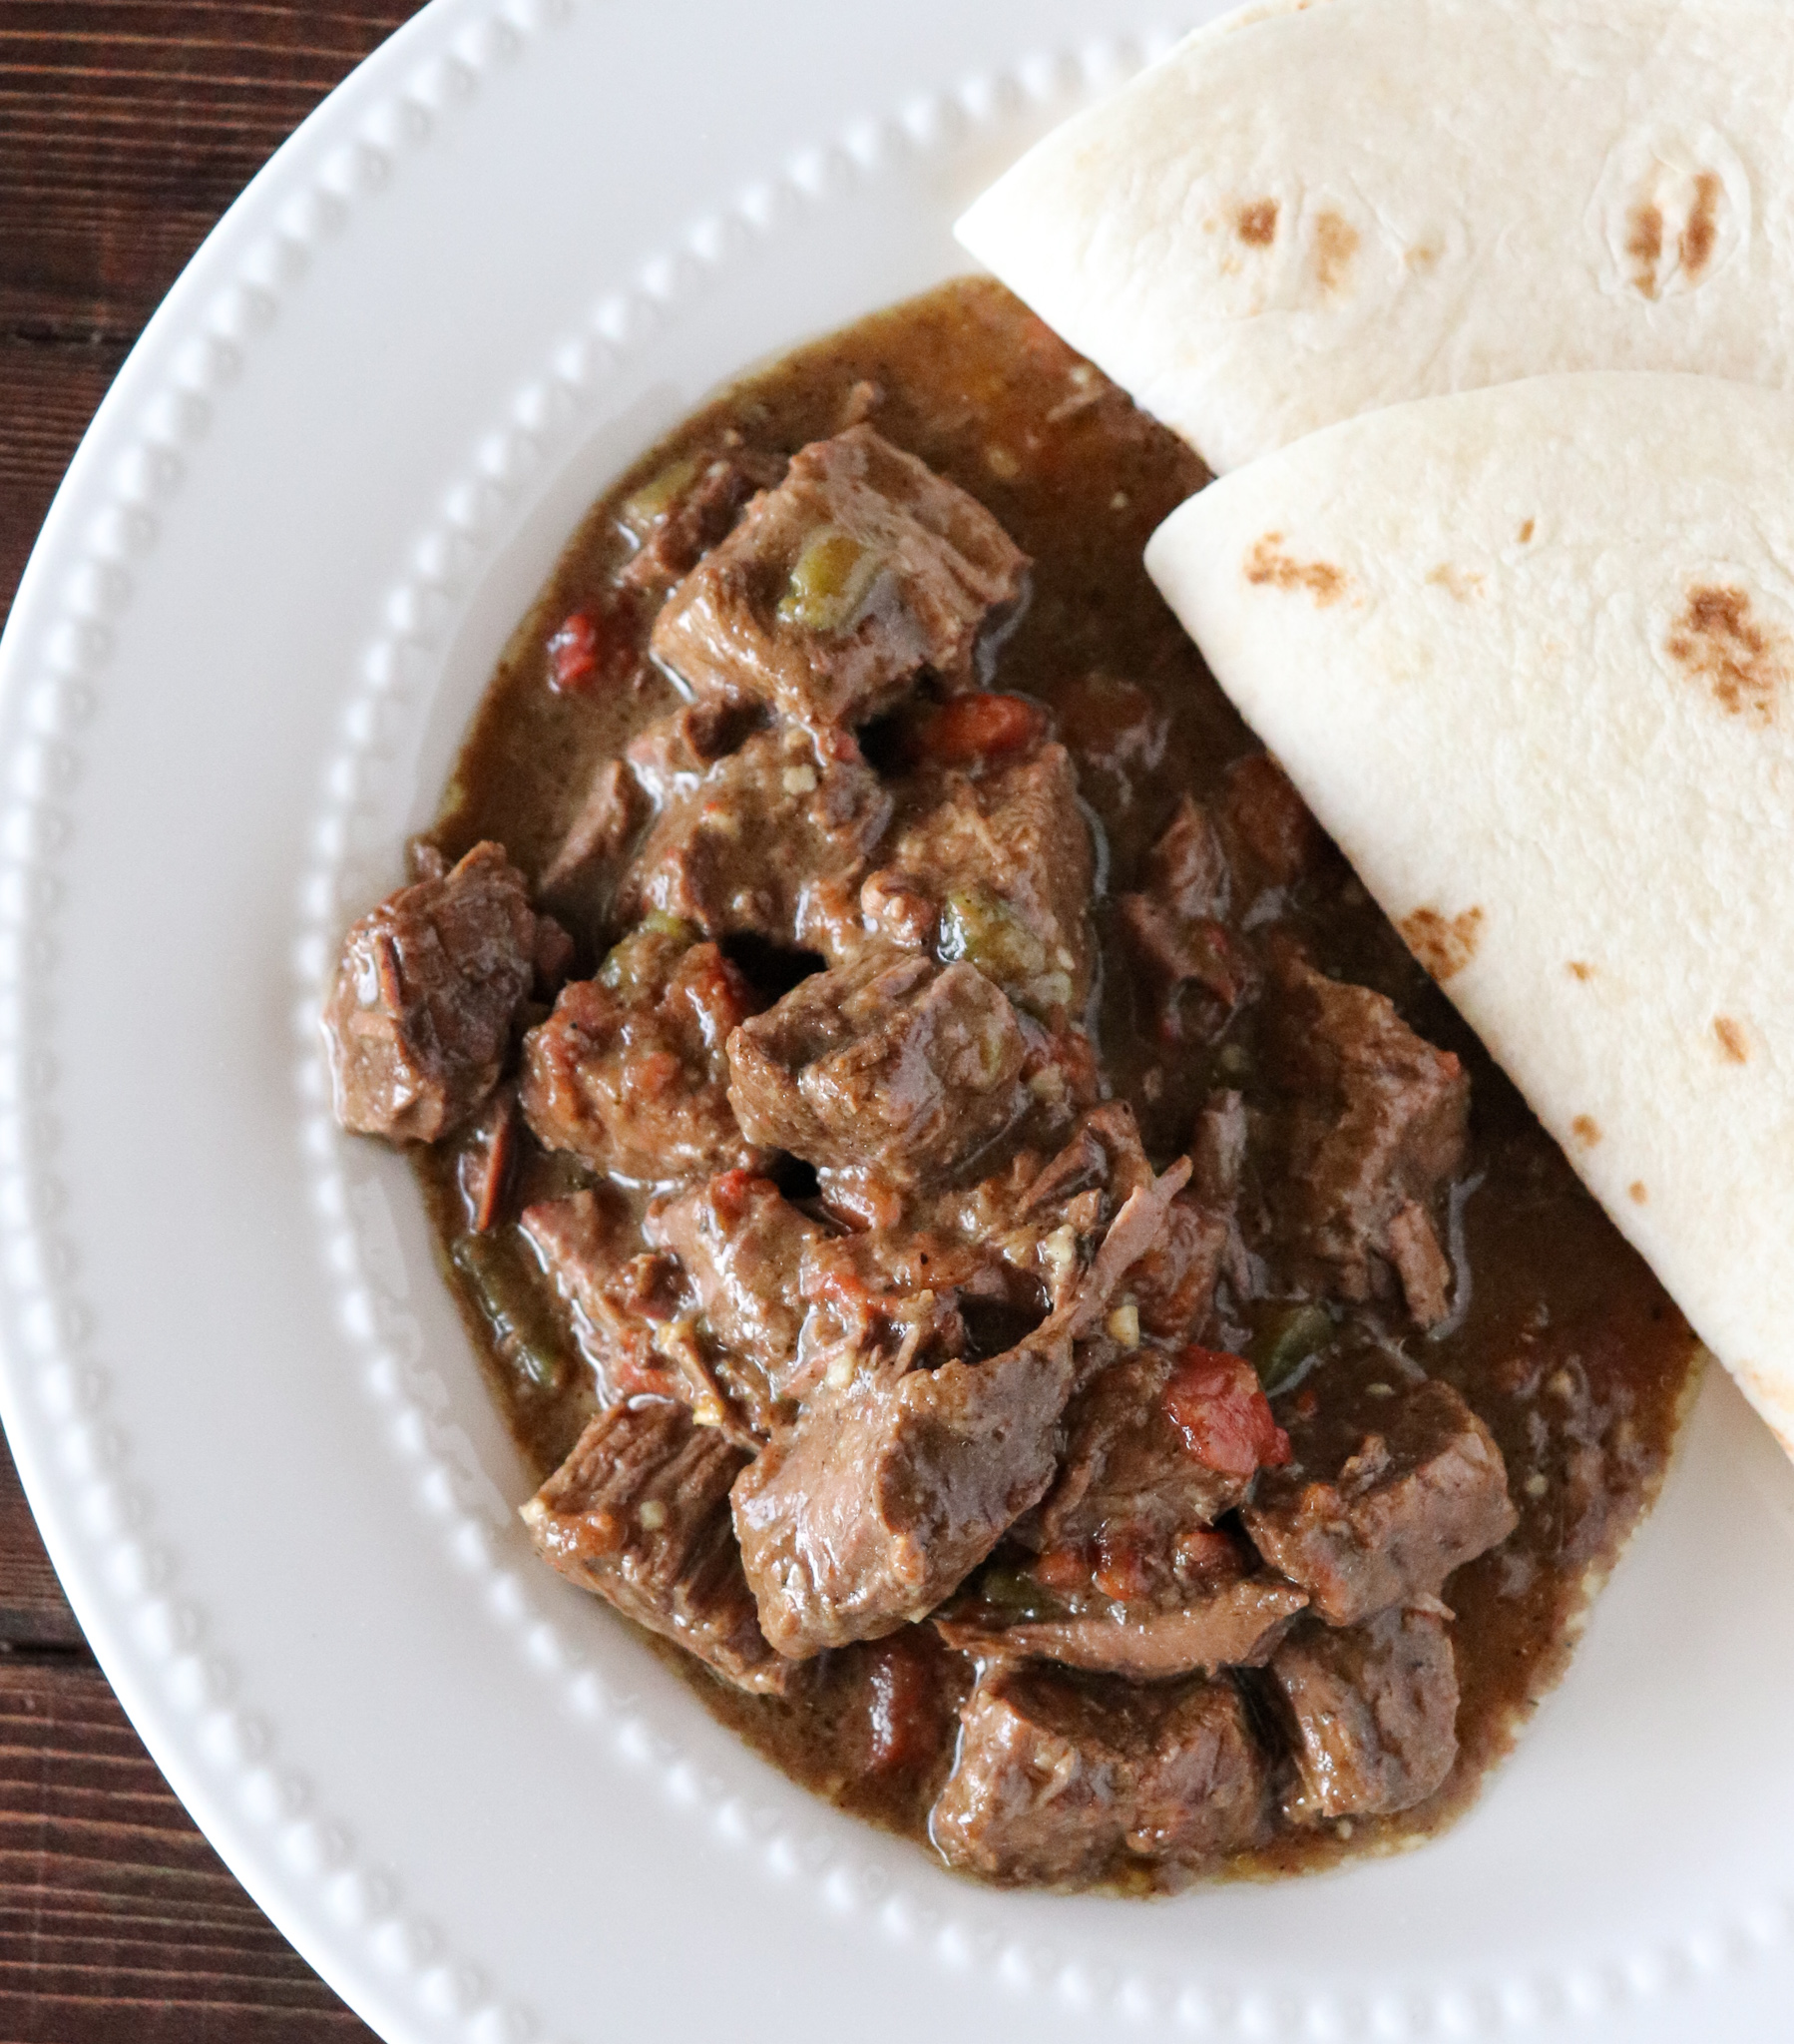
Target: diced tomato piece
(572, 653)
(902, 1714)
(1128, 1568)
(1217, 1403)
(972, 727)
(735, 1191)
(1062, 1568)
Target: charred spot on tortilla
(1526, 531)
(1645, 245)
(1587, 1130)
(1579, 968)
(1638, 1193)
(1268, 563)
(1443, 944)
(1335, 244)
(1699, 235)
(1744, 663)
(1257, 224)
(1734, 1044)
(1461, 584)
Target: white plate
(510, 252)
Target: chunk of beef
(1371, 1714)
(679, 514)
(427, 992)
(1133, 1478)
(1273, 837)
(1389, 1490)
(1198, 969)
(1234, 1625)
(839, 587)
(1058, 1779)
(579, 882)
(1375, 1124)
(892, 1063)
(638, 1512)
(629, 1075)
(743, 1245)
(1186, 870)
(894, 1487)
(1005, 858)
(749, 846)
(889, 1491)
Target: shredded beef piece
(894, 1487)
(629, 1074)
(892, 1063)
(428, 990)
(620, 1296)
(638, 1512)
(1004, 859)
(1375, 1124)
(1371, 1714)
(675, 527)
(747, 848)
(1234, 1625)
(1385, 1494)
(839, 587)
(743, 1245)
(1057, 1777)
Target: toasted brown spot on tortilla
(1637, 1191)
(1257, 224)
(1645, 245)
(1700, 234)
(1335, 243)
(1424, 256)
(1444, 945)
(1526, 531)
(1733, 1042)
(1578, 969)
(1744, 663)
(1268, 563)
(1461, 582)
(1585, 1129)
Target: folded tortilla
(1313, 208)
(1528, 653)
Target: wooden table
(126, 129)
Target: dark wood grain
(126, 129)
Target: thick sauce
(1567, 1348)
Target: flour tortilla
(1528, 654)
(1314, 208)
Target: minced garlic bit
(1049, 1085)
(1001, 462)
(839, 1373)
(1059, 1254)
(1379, 1390)
(800, 780)
(1120, 502)
(708, 1412)
(1124, 1324)
(1536, 1484)
(653, 1514)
